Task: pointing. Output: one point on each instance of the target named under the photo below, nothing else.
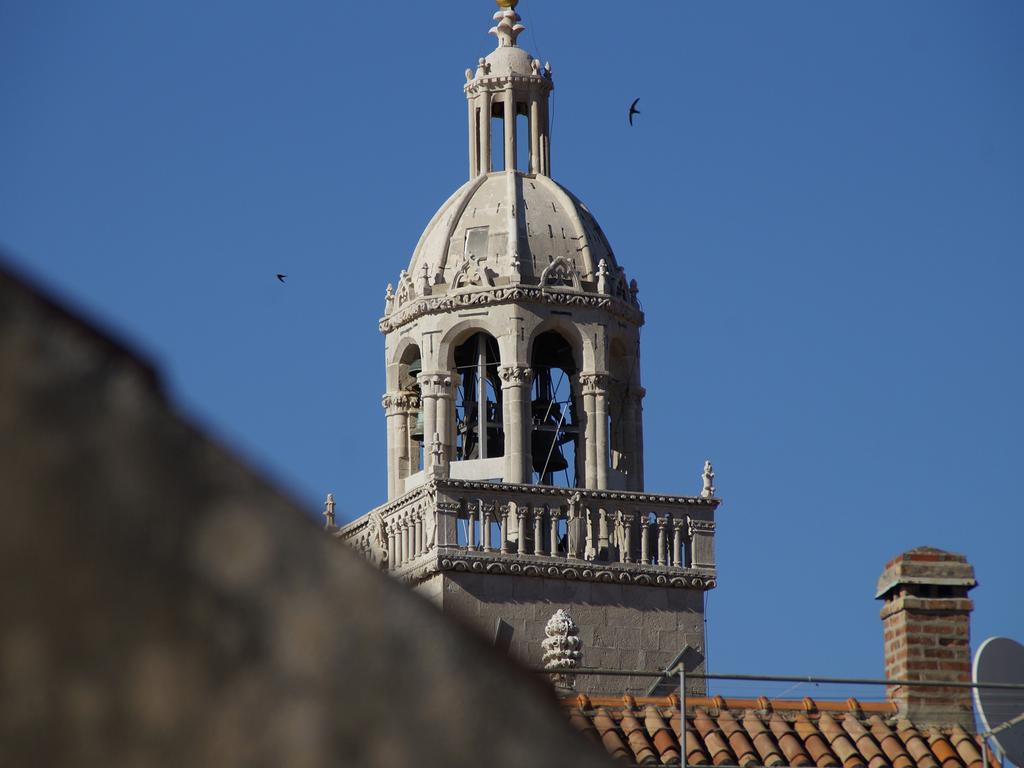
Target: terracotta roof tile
(636, 735)
(815, 743)
(610, 737)
(714, 741)
(966, 747)
(762, 738)
(840, 742)
(792, 747)
(759, 732)
(943, 750)
(916, 745)
(890, 743)
(661, 735)
(865, 742)
(739, 742)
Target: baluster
(405, 540)
(662, 522)
(645, 544)
(417, 539)
(392, 546)
(538, 530)
(521, 512)
(627, 546)
(471, 526)
(503, 513)
(590, 552)
(602, 534)
(677, 543)
(555, 513)
(485, 532)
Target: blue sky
(821, 202)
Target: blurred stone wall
(162, 605)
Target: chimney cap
(925, 565)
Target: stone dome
(502, 228)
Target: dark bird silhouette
(281, 277)
(633, 110)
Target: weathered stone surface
(164, 606)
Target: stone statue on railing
(562, 651)
(330, 525)
(709, 481)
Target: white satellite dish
(1001, 710)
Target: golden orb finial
(507, 3)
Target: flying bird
(633, 110)
(281, 277)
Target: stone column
(534, 135)
(595, 398)
(485, 132)
(589, 438)
(516, 382)
(677, 543)
(474, 166)
(436, 393)
(398, 406)
(392, 415)
(510, 128)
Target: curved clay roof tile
(636, 736)
(890, 743)
(815, 743)
(762, 739)
(966, 748)
(943, 750)
(714, 742)
(790, 745)
(840, 742)
(661, 735)
(738, 741)
(865, 743)
(916, 745)
(610, 737)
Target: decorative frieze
(405, 309)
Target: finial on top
(709, 481)
(508, 28)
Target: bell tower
(514, 406)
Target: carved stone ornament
(705, 527)
(508, 28)
(471, 273)
(561, 273)
(516, 375)
(406, 290)
(435, 384)
(562, 651)
(389, 299)
(378, 538)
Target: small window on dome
(476, 242)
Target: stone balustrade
(531, 530)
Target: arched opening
(478, 422)
(555, 431)
(411, 439)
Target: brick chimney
(926, 619)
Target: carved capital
(435, 384)
(594, 383)
(400, 402)
(516, 375)
(677, 523)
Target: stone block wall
(621, 626)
